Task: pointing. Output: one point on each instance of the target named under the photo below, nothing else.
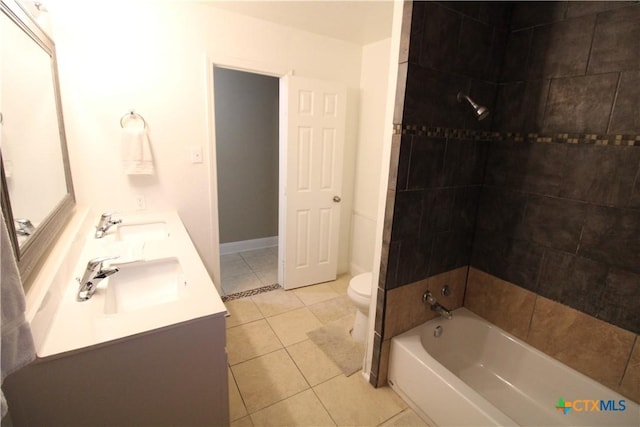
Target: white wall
(150, 56)
(373, 90)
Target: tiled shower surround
(532, 215)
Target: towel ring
(132, 115)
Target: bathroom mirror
(37, 192)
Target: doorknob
(336, 199)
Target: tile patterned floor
(278, 377)
(249, 270)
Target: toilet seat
(361, 285)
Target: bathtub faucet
(428, 298)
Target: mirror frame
(33, 250)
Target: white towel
(136, 151)
(17, 348)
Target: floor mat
(335, 341)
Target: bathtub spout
(443, 311)
(428, 298)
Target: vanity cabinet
(146, 361)
(174, 376)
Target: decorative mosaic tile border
(574, 138)
(480, 135)
(438, 132)
(250, 292)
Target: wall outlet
(195, 154)
(140, 202)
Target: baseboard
(248, 245)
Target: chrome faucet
(25, 228)
(428, 298)
(94, 273)
(105, 223)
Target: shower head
(481, 111)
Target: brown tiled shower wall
(604, 352)
(543, 197)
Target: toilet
(359, 292)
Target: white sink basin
(148, 231)
(144, 284)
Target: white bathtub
(476, 374)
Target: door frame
(255, 67)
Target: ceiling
(360, 22)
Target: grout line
(613, 103)
(466, 284)
(626, 366)
(322, 403)
(580, 237)
(240, 394)
(543, 119)
(247, 323)
(593, 36)
(636, 184)
(254, 357)
(541, 268)
(286, 310)
(408, 408)
(275, 403)
(296, 365)
(535, 302)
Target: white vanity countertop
(77, 325)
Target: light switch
(195, 154)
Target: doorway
(247, 146)
(311, 130)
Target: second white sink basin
(142, 231)
(143, 284)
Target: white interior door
(313, 115)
